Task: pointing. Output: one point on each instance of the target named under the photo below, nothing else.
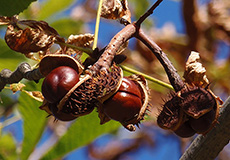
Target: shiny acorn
(126, 103)
(58, 82)
(129, 104)
(61, 73)
(68, 93)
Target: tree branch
(173, 76)
(23, 71)
(133, 30)
(148, 13)
(193, 25)
(107, 56)
(210, 145)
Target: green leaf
(12, 7)
(7, 147)
(8, 58)
(51, 7)
(34, 120)
(83, 131)
(138, 11)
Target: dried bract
(171, 116)
(5, 20)
(194, 71)
(16, 87)
(82, 40)
(37, 95)
(193, 109)
(116, 9)
(30, 36)
(52, 61)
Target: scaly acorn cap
(91, 90)
(52, 61)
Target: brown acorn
(129, 104)
(58, 82)
(61, 74)
(70, 97)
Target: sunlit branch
(23, 71)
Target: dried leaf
(5, 20)
(37, 95)
(127, 15)
(194, 71)
(16, 87)
(30, 36)
(115, 9)
(82, 40)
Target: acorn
(129, 104)
(58, 82)
(69, 94)
(61, 74)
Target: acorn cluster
(189, 111)
(68, 93)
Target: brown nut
(61, 75)
(129, 104)
(58, 82)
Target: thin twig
(97, 24)
(148, 13)
(133, 30)
(173, 76)
(152, 79)
(107, 57)
(193, 25)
